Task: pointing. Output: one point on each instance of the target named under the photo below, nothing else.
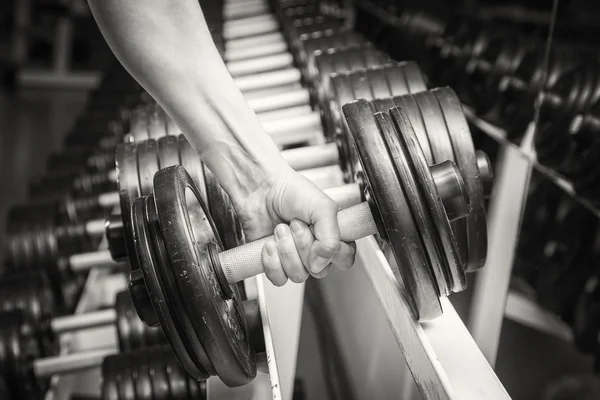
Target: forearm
(166, 46)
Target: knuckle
(330, 247)
(286, 251)
(329, 206)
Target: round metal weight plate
(141, 375)
(157, 127)
(190, 160)
(442, 230)
(222, 212)
(147, 164)
(174, 323)
(218, 321)
(128, 185)
(168, 151)
(442, 150)
(394, 212)
(466, 161)
(138, 128)
(410, 106)
(158, 376)
(417, 205)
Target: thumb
(323, 218)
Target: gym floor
(32, 125)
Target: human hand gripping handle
(247, 261)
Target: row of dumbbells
(35, 305)
(172, 230)
(558, 259)
(440, 107)
(500, 73)
(32, 310)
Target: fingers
(272, 265)
(344, 259)
(327, 235)
(303, 238)
(289, 254)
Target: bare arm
(166, 46)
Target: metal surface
(491, 287)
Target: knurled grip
(246, 261)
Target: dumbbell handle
(94, 259)
(250, 30)
(288, 76)
(48, 366)
(70, 323)
(268, 38)
(355, 222)
(259, 65)
(323, 177)
(277, 101)
(246, 53)
(95, 227)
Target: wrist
(241, 172)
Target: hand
(310, 244)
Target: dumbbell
(20, 362)
(393, 165)
(519, 90)
(148, 374)
(574, 93)
(407, 77)
(20, 359)
(582, 163)
(138, 162)
(501, 57)
(316, 74)
(24, 249)
(33, 296)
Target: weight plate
(168, 151)
(421, 216)
(442, 150)
(466, 161)
(222, 212)
(125, 379)
(414, 78)
(193, 165)
(316, 46)
(163, 295)
(410, 106)
(342, 93)
(138, 129)
(156, 123)
(109, 379)
(218, 321)
(128, 185)
(379, 83)
(160, 382)
(393, 211)
(177, 380)
(141, 375)
(442, 231)
(147, 164)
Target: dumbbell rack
(101, 289)
(441, 355)
(375, 318)
(492, 300)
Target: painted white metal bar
(513, 170)
(443, 358)
(526, 312)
